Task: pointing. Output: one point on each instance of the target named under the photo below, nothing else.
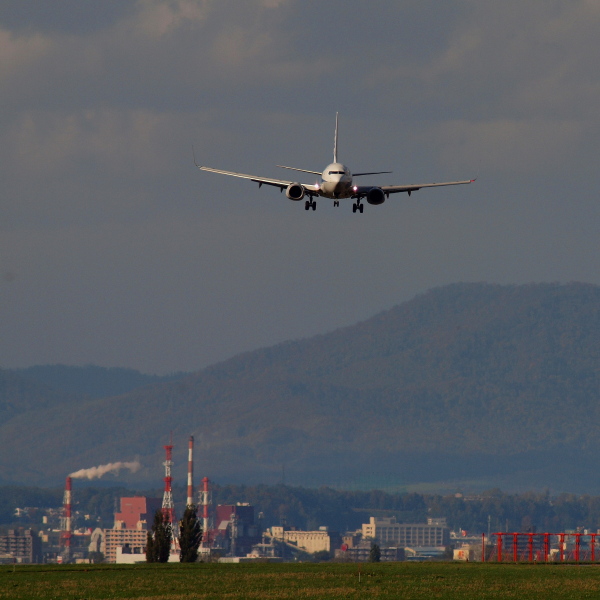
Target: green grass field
(323, 581)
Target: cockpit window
(336, 172)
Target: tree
(96, 557)
(190, 535)
(375, 553)
(150, 551)
(158, 545)
(321, 556)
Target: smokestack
(67, 528)
(190, 480)
(205, 502)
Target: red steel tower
(168, 506)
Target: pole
(561, 538)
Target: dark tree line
(307, 508)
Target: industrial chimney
(67, 525)
(190, 479)
(205, 502)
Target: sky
(116, 251)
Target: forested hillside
(339, 510)
(482, 384)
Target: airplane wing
(394, 189)
(280, 183)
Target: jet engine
(375, 196)
(294, 192)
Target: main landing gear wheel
(358, 207)
(310, 204)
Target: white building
(309, 541)
(387, 531)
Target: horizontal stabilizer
(373, 173)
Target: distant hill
(470, 385)
(23, 395)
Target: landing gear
(336, 202)
(358, 207)
(310, 204)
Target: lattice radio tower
(168, 506)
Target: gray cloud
(126, 255)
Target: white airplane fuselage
(336, 181)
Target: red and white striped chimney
(190, 479)
(205, 502)
(67, 508)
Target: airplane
(336, 183)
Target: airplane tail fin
(335, 139)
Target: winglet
(194, 155)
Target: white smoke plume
(97, 472)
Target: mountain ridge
(465, 381)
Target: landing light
(355, 189)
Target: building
(388, 532)
(130, 555)
(130, 531)
(235, 531)
(138, 509)
(309, 541)
(119, 538)
(21, 545)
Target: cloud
(18, 52)
(157, 18)
(508, 145)
(113, 232)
